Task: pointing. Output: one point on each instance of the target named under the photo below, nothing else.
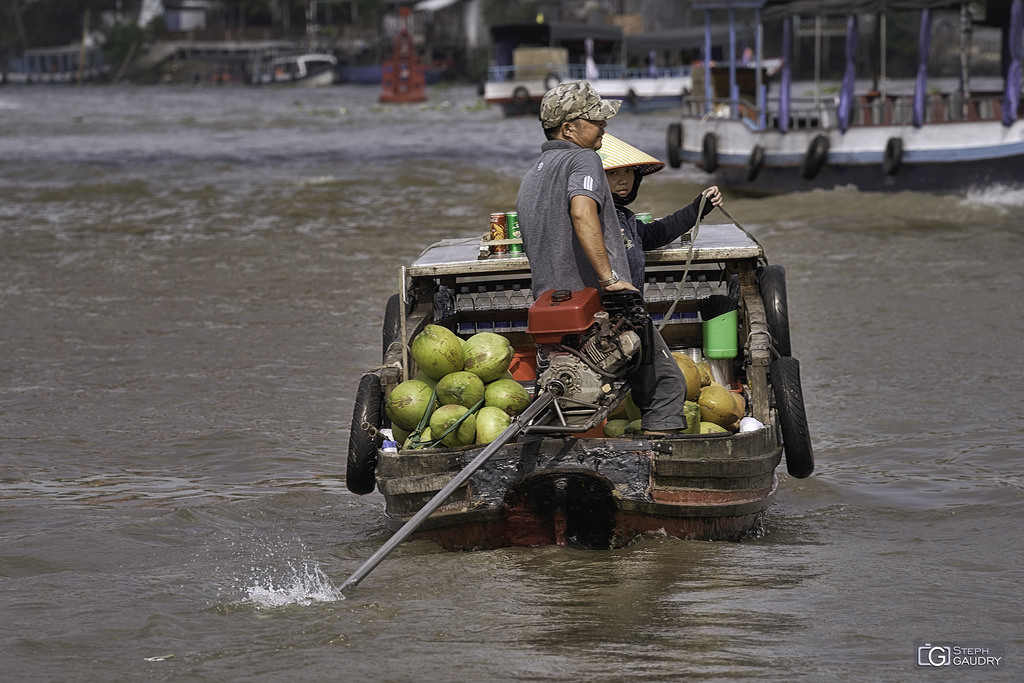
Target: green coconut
(615, 428)
(632, 412)
(691, 411)
(718, 405)
(463, 388)
(424, 438)
(507, 394)
(490, 423)
(635, 427)
(424, 377)
(487, 355)
(711, 428)
(445, 416)
(407, 403)
(437, 351)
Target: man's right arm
(586, 223)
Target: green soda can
(512, 225)
(644, 217)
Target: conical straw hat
(615, 153)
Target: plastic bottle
(500, 302)
(482, 302)
(517, 301)
(444, 303)
(464, 303)
(689, 298)
(668, 294)
(652, 294)
(703, 287)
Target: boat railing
(869, 109)
(579, 72)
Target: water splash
(999, 196)
(301, 585)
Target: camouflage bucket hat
(575, 100)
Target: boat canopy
(553, 33)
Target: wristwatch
(610, 281)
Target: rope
(689, 253)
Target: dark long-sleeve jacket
(639, 237)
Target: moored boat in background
(752, 132)
(530, 58)
(314, 69)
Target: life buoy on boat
(772, 283)
(709, 152)
(551, 80)
(521, 99)
(675, 143)
(755, 162)
(789, 403)
(893, 156)
(814, 159)
(362, 445)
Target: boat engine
(586, 341)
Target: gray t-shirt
(557, 261)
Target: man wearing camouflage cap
(572, 237)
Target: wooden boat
(753, 132)
(531, 58)
(564, 482)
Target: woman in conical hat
(625, 166)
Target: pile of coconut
(710, 407)
(462, 393)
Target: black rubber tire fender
(362, 447)
(815, 157)
(675, 144)
(631, 97)
(755, 162)
(789, 403)
(772, 282)
(391, 328)
(893, 156)
(709, 152)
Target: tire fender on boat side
(362, 446)
(551, 80)
(789, 403)
(893, 156)
(815, 158)
(521, 99)
(772, 283)
(709, 152)
(675, 144)
(391, 328)
(631, 97)
(755, 162)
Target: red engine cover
(559, 312)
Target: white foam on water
(300, 585)
(999, 196)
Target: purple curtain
(1011, 100)
(784, 84)
(850, 75)
(924, 41)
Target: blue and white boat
(760, 133)
(530, 58)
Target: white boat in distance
(531, 58)
(876, 135)
(310, 69)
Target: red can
(499, 231)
